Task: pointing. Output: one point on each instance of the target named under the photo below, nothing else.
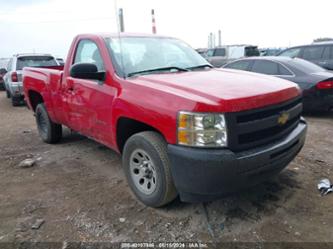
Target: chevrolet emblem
(283, 118)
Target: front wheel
(49, 131)
(147, 168)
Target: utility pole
(153, 21)
(211, 40)
(121, 20)
(220, 38)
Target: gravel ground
(76, 191)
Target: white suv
(222, 55)
(13, 77)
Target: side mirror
(86, 71)
(3, 71)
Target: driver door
(89, 100)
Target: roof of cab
(125, 34)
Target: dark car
(315, 82)
(320, 53)
(2, 82)
(3, 71)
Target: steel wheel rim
(143, 171)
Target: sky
(48, 26)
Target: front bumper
(206, 174)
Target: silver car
(220, 56)
(13, 77)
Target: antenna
(153, 21)
(121, 20)
(118, 31)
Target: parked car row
(221, 55)
(315, 82)
(308, 66)
(320, 53)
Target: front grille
(257, 127)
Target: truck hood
(230, 90)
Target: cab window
(88, 52)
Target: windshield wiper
(158, 69)
(200, 66)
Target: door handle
(70, 85)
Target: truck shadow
(247, 207)
(69, 137)
(233, 212)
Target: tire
(7, 94)
(49, 131)
(153, 166)
(16, 101)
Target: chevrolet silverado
(182, 127)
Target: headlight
(202, 129)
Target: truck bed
(46, 80)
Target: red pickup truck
(183, 127)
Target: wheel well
(35, 99)
(127, 127)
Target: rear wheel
(16, 101)
(49, 131)
(147, 169)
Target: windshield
(135, 54)
(35, 61)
